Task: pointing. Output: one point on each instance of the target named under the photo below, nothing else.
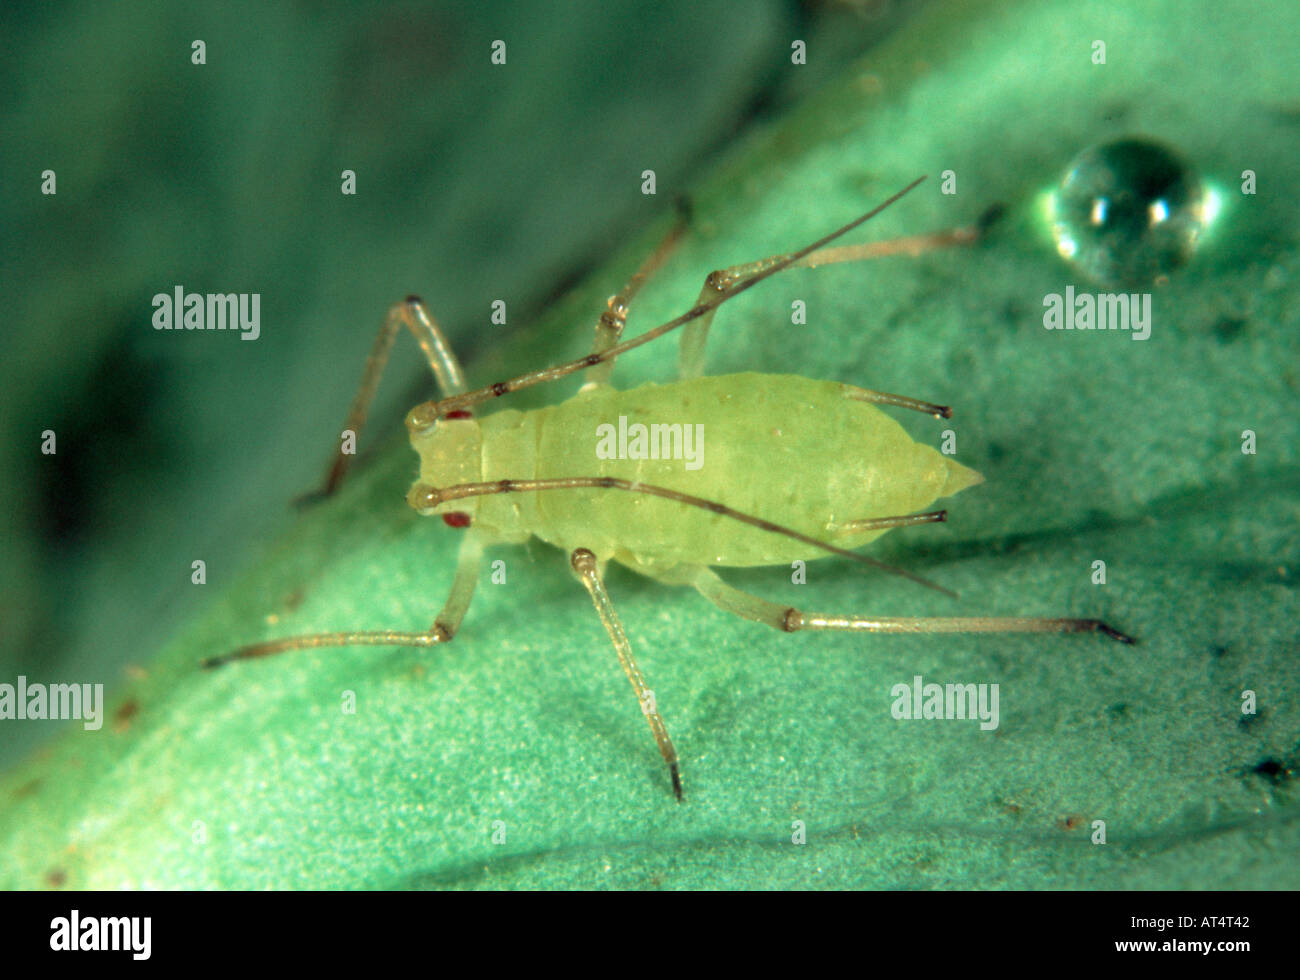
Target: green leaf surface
(1094, 447)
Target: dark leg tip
(211, 662)
(677, 782)
(1115, 634)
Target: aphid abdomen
(782, 447)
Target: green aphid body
(670, 480)
(798, 452)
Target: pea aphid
(843, 472)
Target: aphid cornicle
(837, 472)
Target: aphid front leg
(442, 630)
(587, 569)
(609, 328)
(414, 315)
(789, 619)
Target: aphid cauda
(838, 473)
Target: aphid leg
(609, 328)
(425, 416)
(912, 245)
(414, 315)
(442, 630)
(790, 619)
(695, 335)
(587, 569)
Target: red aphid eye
(460, 413)
(457, 518)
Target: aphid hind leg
(695, 335)
(414, 315)
(444, 628)
(587, 569)
(425, 416)
(609, 327)
(789, 619)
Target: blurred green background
(477, 185)
(473, 185)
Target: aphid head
(450, 454)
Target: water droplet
(1129, 212)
